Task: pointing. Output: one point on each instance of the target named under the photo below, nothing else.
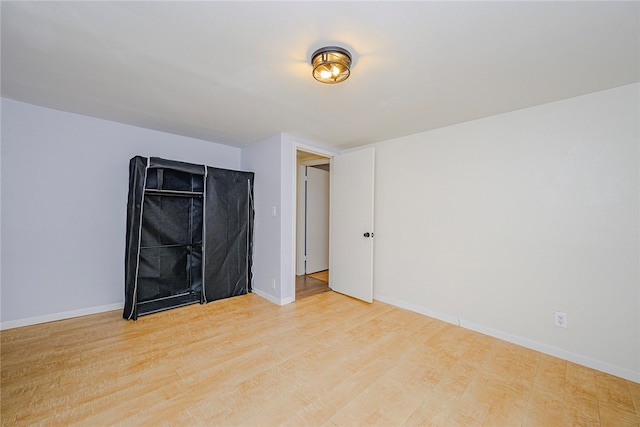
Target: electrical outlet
(561, 319)
(273, 283)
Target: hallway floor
(312, 284)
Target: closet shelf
(177, 245)
(178, 193)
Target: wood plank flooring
(326, 360)
(320, 275)
(308, 285)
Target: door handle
(367, 234)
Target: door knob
(367, 234)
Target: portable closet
(189, 235)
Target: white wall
(1, 150)
(289, 163)
(64, 196)
(312, 219)
(316, 213)
(499, 222)
(264, 158)
(300, 220)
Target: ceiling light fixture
(331, 64)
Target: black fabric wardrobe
(189, 235)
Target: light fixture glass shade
(331, 64)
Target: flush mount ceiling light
(331, 64)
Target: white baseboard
(618, 371)
(59, 316)
(417, 309)
(11, 324)
(580, 359)
(271, 298)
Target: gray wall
(64, 197)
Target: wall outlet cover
(561, 319)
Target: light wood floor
(325, 360)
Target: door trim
(294, 168)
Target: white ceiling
(238, 72)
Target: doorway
(312, 224)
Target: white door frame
(309, 149)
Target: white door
(317, 220)
(351, 269)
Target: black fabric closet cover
(226, 230)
